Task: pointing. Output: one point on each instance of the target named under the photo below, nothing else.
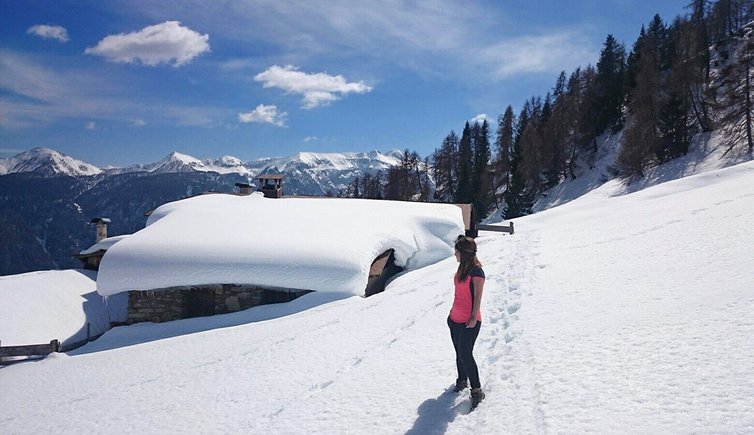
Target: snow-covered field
(612, 313)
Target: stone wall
(175, 303)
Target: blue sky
(124, 82)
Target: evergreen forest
(681, 78)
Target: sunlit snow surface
(38, 307)
(320, 244)
(609, 314)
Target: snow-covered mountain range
(46, 162)
(307, 173)
(46, 221)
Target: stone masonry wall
(174, 303)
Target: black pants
(463, 342)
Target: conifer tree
(641, 135)
(403, 180)
(482, 187)
(572, 119)
(609, 85)
(587, 110)
(464, 166)
(517, 200)
(504, 145)
(559, 125)
(444, 165)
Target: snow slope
(613, 313)
(37, 307)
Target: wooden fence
(10, 354)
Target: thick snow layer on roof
(103, 245)
(37, 307)
(323, 244)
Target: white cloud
(264, 114)
(90, 125)
(139, 122)
(51, 92)
(317, 89)
(479, 119)
(166, 43)
(546, 53)
(49, 32)
(310, 139)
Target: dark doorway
(199, 302)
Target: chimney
(244, 188)
(101, 227)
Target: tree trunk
(747, 89)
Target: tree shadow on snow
(436, 414)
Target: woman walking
(465, 317)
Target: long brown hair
(466, 246)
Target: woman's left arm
(478, 290)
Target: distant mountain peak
(307, 173)
(48, 162)
(175, 162)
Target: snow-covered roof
(37, 307)
(103, 245)
(319, 244)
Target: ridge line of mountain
(49, 162)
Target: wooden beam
(30, 350)
(497, 228)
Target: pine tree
(559, 126)
(444, 165)
(464, 165)
(609, 85)
(586, 136)
(572, 107)
(504, 144)
(355, 184)
(482, 187)
(517, 200)
(403, 180)
(641, 135)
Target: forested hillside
(678, 79)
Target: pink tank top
(463, 302)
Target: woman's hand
(471, 323)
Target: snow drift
(37, 307)
(322, 244)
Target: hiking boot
(460, 385)
(477, 395)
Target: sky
(117, 83)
